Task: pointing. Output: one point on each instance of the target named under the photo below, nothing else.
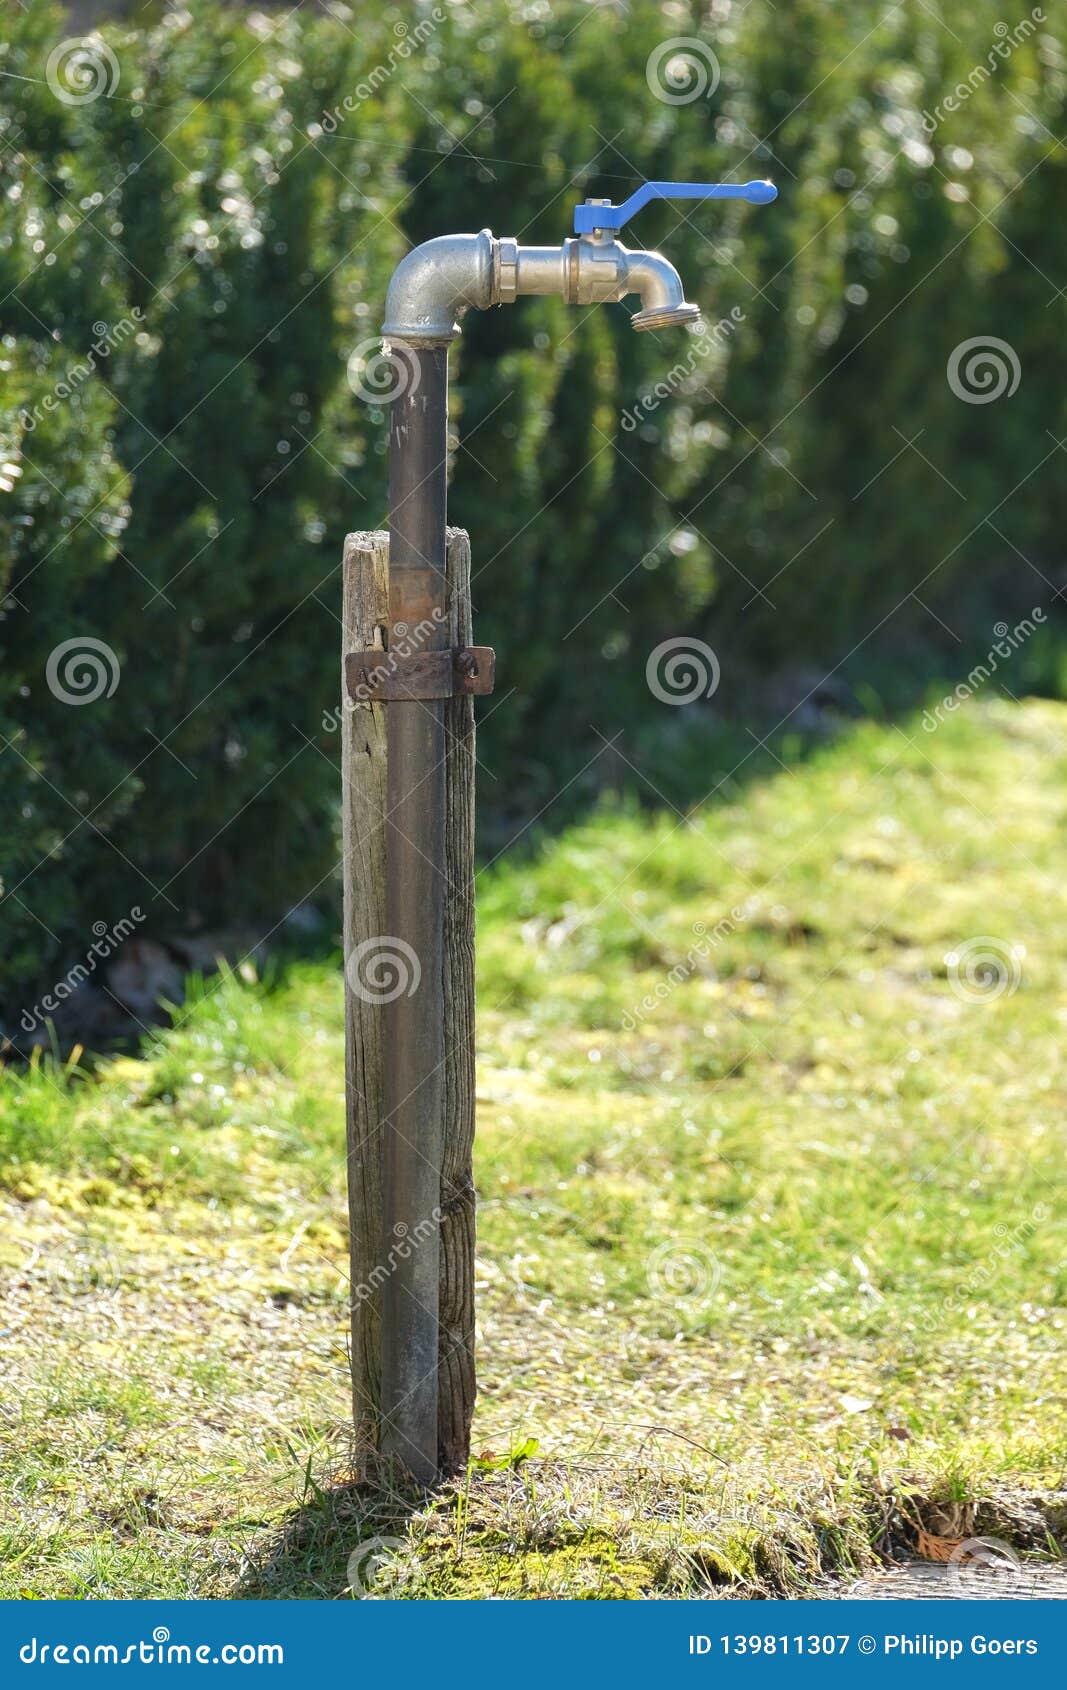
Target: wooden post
(370, 975)
(364, 618)
(456, 1383)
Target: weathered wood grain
(364, 769)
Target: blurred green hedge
(187, 261)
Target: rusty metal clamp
(382, 677)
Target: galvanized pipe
(430, 288)
(441, 279)
(415, 905)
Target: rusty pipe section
(441, 279)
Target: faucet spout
(663, 301)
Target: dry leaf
(934, 1548)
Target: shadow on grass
(755, 723)
(676, 760)
(623, 1529)
(347, 1539)
(105, 1027)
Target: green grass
(771, 1254)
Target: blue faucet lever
(592, 216)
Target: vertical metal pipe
(415, 903)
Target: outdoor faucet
(431, 288)
(439, 280)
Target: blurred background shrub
(187, 262)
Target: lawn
(771, 1268)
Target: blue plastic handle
(589, 217)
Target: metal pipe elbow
(435, 284)
(663, 301)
